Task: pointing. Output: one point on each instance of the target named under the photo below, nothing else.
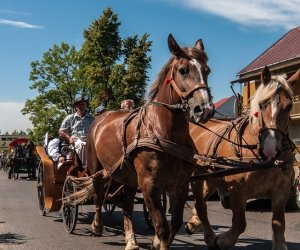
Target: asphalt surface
(22, 227)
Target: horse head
(270, 111)
(184, 81)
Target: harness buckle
(185, 105)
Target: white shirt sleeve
(53, 149)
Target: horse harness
(222, 165)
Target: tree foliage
(114, 68)
(54, 77)
(107, 69)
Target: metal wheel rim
(40, 189)
(69, 211)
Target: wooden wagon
(17, 162)
(54, 184)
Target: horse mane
(159, 79)
(191, 52)
(264, 92)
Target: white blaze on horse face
(204, 92)
(274, 104)
(270, 145)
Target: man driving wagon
(74, 128)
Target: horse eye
(183, 71)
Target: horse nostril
(197, 110)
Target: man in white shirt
(75, 127)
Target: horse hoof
(96, 231)
(131, 246)
(155, 244)
(188, 230)
(131, 243)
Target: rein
(251, 147)
(228, 166)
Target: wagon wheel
(69, 211)
(113, 199)
(41, 189)
(146, 211)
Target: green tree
(113, 68)
(107, 69)
(55, 80)
(15, 132)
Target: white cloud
(11, 117)
(266, 13)
(19, 24)
(4, 11)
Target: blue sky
(234, 33)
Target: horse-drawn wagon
(157, 145)
(21, 158)
(55, 183)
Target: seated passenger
(53, 146)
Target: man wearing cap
(75, 128)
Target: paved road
(22, 227)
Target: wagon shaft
(231, 167)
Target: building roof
(221, 102)
(225, 107)
(285, 49)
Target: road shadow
(13, 239)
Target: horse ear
(199, 45)
(175, 49)
(294, 78)
(265, 75)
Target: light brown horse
(139, 148)
(266, 126)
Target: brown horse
(139, 148)
(266, 127)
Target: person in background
(74, 128)
(127, 105)
(99, 110)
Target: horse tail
(85, 191)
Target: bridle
(185, 94)
(286, 141)
(182, 94)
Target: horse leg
(178, 202)
(152, 198)
(278, 222)
(201, 208)
(238, 206)
(194, 225)
(128, 203)
(98, 183)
